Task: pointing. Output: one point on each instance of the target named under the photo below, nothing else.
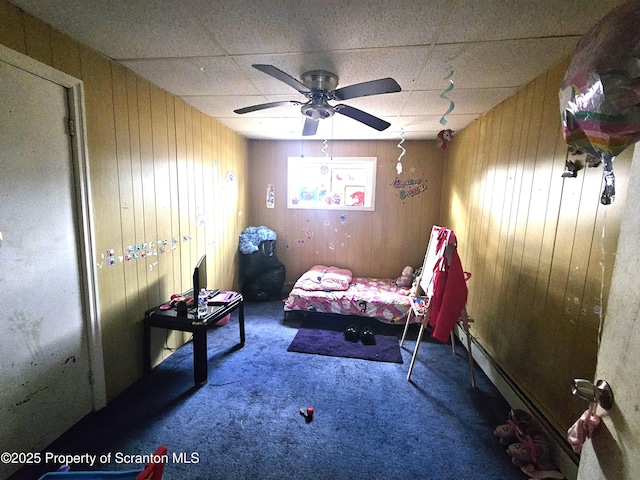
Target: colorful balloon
(600, 93)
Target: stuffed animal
(443, 138)
(514, 430)
(406, 279)
(527, 446)
(533, 450)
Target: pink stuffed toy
(406, 279)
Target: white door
(614, 451)
(44, 356)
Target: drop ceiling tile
(128, 29)
(482, 20)
(499, 64)
(193, 75)
(249, 27)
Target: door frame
(85, 233)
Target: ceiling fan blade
(262, 106)
(310, 126)
(374, 87)
(363, 117)
(283, 77)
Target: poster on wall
(271, 196)
(342, 183)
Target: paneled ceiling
(467, 55)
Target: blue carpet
(245, 423)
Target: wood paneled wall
(541, 247)
(160, 171)
(374, 244)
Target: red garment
(449, 293)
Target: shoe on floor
(367, 336)
(352, 333)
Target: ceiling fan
(319, 86)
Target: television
(199, 277)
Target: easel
(423, 291)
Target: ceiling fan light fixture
(316, 112)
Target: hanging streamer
(443, 95)
(399, 164)
(324, 148)
(325, 144)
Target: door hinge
(72, 127)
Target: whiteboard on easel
(431, 258)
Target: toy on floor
(528, 446)
(516, 427)
(533, 449)
(307, 413)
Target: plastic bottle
(202, 303)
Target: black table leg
(200, 360)
(147, 347)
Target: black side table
(186, 322)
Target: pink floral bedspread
(365, 297)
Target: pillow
(325, 279)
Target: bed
(325, 289)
